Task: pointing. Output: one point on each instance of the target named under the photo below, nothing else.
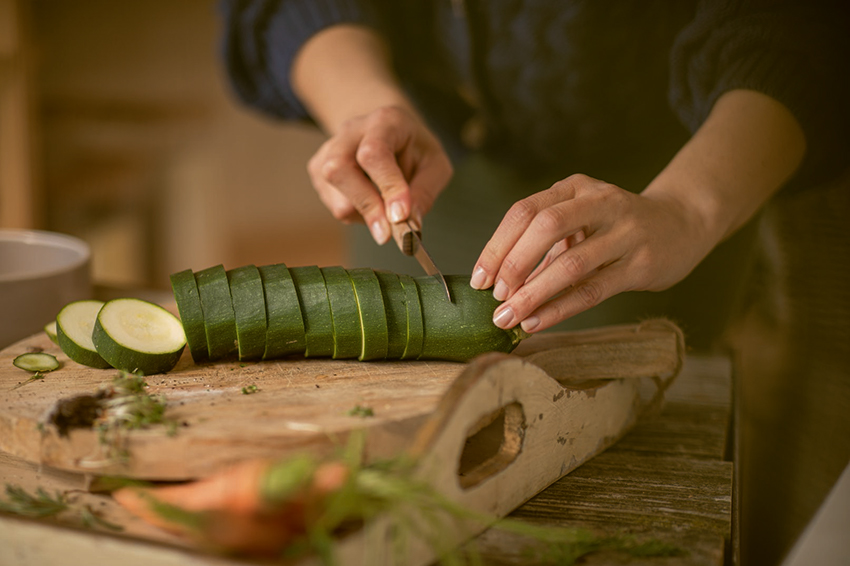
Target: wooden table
(668, 480)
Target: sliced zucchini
(346, 321)
(372, 313)
(315, 310)
(138, 336)
(50, 330)
(39, 362)
(395, 302)
(74, 326)
(414, 318)
(219, 318)
(463, 328)
(285, 331)
(185, 290)
(249, 308)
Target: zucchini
(285, 325)
(39, 362)
(74, 326)
(185, 290)
(395, 303)
(414, 318)
(273, 311)
(219, 318)
(249, 309)
(463, 328)
(137, 336)
(315, 310)
(347, 334)
(372, 314)
(50, 330)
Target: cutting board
(308, 404)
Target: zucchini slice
(249, 309)
(414, 318)
(346, 320)
(373, 318)
(315, 310)
(463, 328)
(285, 325)
(74, 326)
(185, 290)
(137, 336)
(219, 318)
(395, 302)
(50, 330)
(39, 362)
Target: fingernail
(503, 318)
(530, 323)
(380, 232)
(479, 277)
(396, 212)
(500, 292)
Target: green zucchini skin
(285, 334)
(316, 310)
(249, 309)
(347, 333)
(185, 290)
(463, 328)
(395, 304)
(340, 313)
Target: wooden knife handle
(403, 236)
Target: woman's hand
(564, 250)
(381, 167)
(596, 240)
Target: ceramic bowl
(40, 272)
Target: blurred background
(117, 126)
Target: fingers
(381, 168)
(574, 277)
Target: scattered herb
(249, 389)
(43, 505)
(361, 411)
(35, 377)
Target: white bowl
(40, 272)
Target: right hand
(380, 168)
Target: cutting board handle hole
(491, 445)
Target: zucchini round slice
(39, 362)
(395, 302)
(74, 326)
(249, 308)
(188, 301)
(50, 330)
(219, 318)
(346, 320)
(316, 310)
(463, 328)
(373, 317)
(414, 318)
(138, 336)
(285, 330)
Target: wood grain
(301, 404)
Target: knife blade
(409, 241)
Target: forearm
(749, 146)
(345, 71)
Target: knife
(409, 241)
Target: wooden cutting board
(303, 404)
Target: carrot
(256, 507)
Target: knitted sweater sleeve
(793, 51)
(260, 39)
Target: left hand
(566, 249)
